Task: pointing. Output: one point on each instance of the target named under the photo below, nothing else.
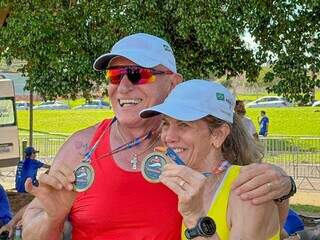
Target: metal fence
(299, 156)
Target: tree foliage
(60, 39)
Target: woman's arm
(250, 222)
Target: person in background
(5, 209)
(240, 109)
(263, 124)
(121, 204)
(28, 168)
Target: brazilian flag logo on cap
(220, 96)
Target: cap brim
(102, 62)
(175, 111)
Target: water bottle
(18, 233)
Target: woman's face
(192, 141)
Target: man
(263, 124)
(120, 204)
(28, 168)
(240, 109)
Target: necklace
(134, 159)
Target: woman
(199, 124)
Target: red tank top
(123, 205)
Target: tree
(60, 39)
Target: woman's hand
(188, 184)
(54, 192)
(262, 182)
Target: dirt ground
(309, 198)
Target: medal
(152, 166)
(84, 175)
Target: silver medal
(152, 166)
(84, 174)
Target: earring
(215, 145)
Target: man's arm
(45, 216)
(262, 182)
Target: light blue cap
(195, 99)
(141, 48)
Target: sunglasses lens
(114, 75)
(136, 75)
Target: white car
(22, 105)
(269, 101)
(51, 105)
(94, 104)
(316, 104)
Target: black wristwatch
(205, 227)
(293, 190)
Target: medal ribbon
(130, 144)
(174, 156)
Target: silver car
(22, 105)
(269, 101)
(51, 105)
(94, 104)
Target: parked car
(94, 104)
(269, 101)
(51, 105)
(316, 104)
(22, 105)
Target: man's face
(240, 109)
(128, 99)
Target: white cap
(143, 49)
(195, 99)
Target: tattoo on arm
(82, 147)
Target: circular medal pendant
(152, 166)
(84, 174)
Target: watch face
(207, 226)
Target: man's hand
(9, 227)
(262, 182)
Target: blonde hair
(239, 147)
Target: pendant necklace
(134, 159)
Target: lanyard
(128, 145)
(172, 154)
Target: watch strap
(205, 227)
(293, 190)
(191, 233)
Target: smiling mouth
(178, 150)
(129, 102)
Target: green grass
(62, 121)
(306, 209)
(290, 121)
(283, 121)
